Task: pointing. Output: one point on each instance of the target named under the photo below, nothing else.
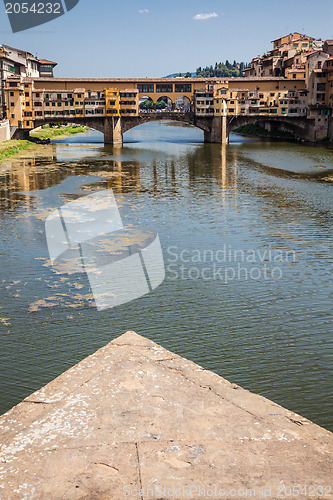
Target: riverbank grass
(48, 132)
(9, 148)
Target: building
(22, 63)
(328, 47)
(287, 58)
(264, 96)
(204, 102)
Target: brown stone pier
(136, 421)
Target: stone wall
(4, 131)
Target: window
(148, 87)
(26, 86)
(70, 96)
(13, 116)
(11, 94)
(183, 87)
(164, 87)
(59, 96)
(294, 75)
(12, 84)
(37, 95)
(12, 104)
(26, 94)
(321, 86)
(319, 65)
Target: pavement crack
(297, 422)
(39, 402)
(114, 469)
(139, 468)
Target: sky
(152, 38)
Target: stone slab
(135, 420)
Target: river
(247, 236)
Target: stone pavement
(134, 420)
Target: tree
(147, 104)
(188, 75)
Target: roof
(45, 61)
(157, 80)
(292, 34)
(329, 42)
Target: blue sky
(105, 38)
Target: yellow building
(79, 108)
(19, 101)
(129, 102)
(112, 102)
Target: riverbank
(48, 132)
(9, 148)
(257, 131)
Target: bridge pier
(21, 134)
(218, 132)
(113, 133)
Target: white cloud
(143, 11)
(203, 17)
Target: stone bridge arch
(189, 118)
(96, 123)
(299, 126)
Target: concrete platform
(136, 421)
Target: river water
(247, 237)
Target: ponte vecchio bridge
(112, 106)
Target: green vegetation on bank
(8, 148)
(258, 131)
(226, 69)
(50, 131)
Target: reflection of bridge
(216, 128)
